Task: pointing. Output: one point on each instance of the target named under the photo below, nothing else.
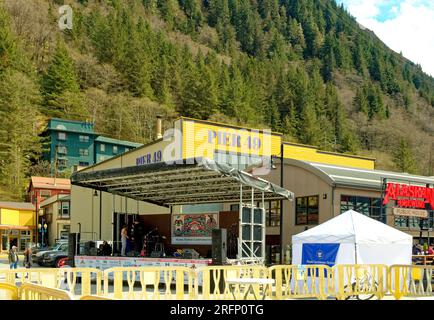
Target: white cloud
(363, 9)
(410, 31)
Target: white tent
(361, 240)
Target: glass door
(4, 240)
(24, 240)
(13, 241)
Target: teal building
(75, 144)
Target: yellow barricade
(411, 280)
(78, 281)
(31, 291)
(49, 277)
(304, 281)
(362, 282)
(93, 297)
(214, 285)
(176, 282)
(8, 292)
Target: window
(235, 207)
(24, 239)
(370, 207)
(115, 149)
(83, 152)
(307, 210)
(61, 136)
(272, 254)
(414, 222)
(64, 234)
(61, 163)
(64, 210)
(83, 163)
(102, 147)
(235, 160)
(61, 150)
(83, 138)
(45, 193)
(272, 212)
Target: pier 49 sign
(409, 196)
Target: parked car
(62, 263)
(52, 258)
(38, 254)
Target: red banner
(409, 196)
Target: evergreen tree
(168, 10)
(361, 101)
(194, 15)
(403, 157)
(8, 49)
(59, 78)
(296, 36)
(309, 132)
(19, 142)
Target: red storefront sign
(409, 196)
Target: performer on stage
(137, 235)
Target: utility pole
(56, 149)
(430, 163)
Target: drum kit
(152, 245)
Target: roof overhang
(12, 227)
(188, 181)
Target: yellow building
(17, 224)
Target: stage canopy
(187, 181)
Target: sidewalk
(4, 263)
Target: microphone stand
(145, 238)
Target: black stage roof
(187, 181)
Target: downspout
(281, 205)
(100, 214)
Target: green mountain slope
(303, 68)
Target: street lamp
(40, 225)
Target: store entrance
(13, 241)
(4, 243)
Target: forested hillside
(301, 67)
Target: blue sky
(406, 26)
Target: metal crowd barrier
(214, 284)
(156, 283)
(77, 281)
(8, 292)
(210, 282)
(49, 277)
(32, 291)
(411, 281)
(292, 281)
(360, 281)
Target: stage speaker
(219, 246)
(88, 248)
(73, 247)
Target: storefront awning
(11, 227)
(187, 181)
